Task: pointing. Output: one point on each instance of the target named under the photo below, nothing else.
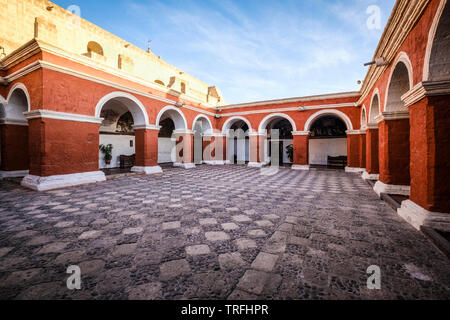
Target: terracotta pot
(108, 161)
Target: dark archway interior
(284, 133)
(167, 128)
(328, 127)
(241, 149)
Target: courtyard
(223, 232)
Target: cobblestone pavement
(214, 233)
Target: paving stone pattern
(214, 233)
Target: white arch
(401, 57)
(267, 119)
(202, 116)
(376, 93)
(176, 115)
(22, 87)
(328, 112)
(2, 100)
(430, 41)
(227, 125)
(363, 116)
(137, 109)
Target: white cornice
(301, 133)
(15, 122)
(351, 132)
(327, 106)
(396, 115)
(292, 100)
(426, 89)
(404, 17)
(147, 127)
(48, 114)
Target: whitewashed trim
(48, 114)
(214, 134)
(430, 40)
(354, 170)
(214, 162)
(395, 115)
(228, 123)
(301, 133)
(22, 72)
(367, 176)
(117, 94)
(263, 124)
(62, 181)
(305, 108)
(299, 167)
(13, 174)
(417, 216)
(14, 122)
(255, 164)
(353, 132)
(292, 100)
(425, 89)
(177, 110)
(381, 187)
(184, 165)
(202, 116)
(147, 127)
(333, 112)
(372, 126)
(147, 170)
(24, 89)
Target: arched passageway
(120, 115)
(394, 133)
(328, 141)
(14, 151)
(175, 141)
(201, 127)
(279, 142)
(238, 140)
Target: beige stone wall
(22, 20)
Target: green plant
(290, 152)
(107, 151)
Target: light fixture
(378, 62)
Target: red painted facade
(405, 152)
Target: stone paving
(214, 233)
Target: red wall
(14, 147)
(62, 147)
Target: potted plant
(290, 152)
(107, 152)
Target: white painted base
(300, 167)
(62, 181)
(255, 164)
(147, 170)
(184, 165)
(227, 161)
(367, 176)
(13, 174)
(381, 187)
(418, 216)
(214, 162)
(354, 170)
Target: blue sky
(251, 49)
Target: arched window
(183, 87)
(95, 47)
(160, 83)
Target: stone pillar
(301, 150)
(184, 142)
(63, 150)
(146, 150)
(14, 148)
(372, 168)
(393, 153)
(215, 148)
(429, 203)
(362, 150)
(354, 154)
(257, 149)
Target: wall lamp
(378, 62)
